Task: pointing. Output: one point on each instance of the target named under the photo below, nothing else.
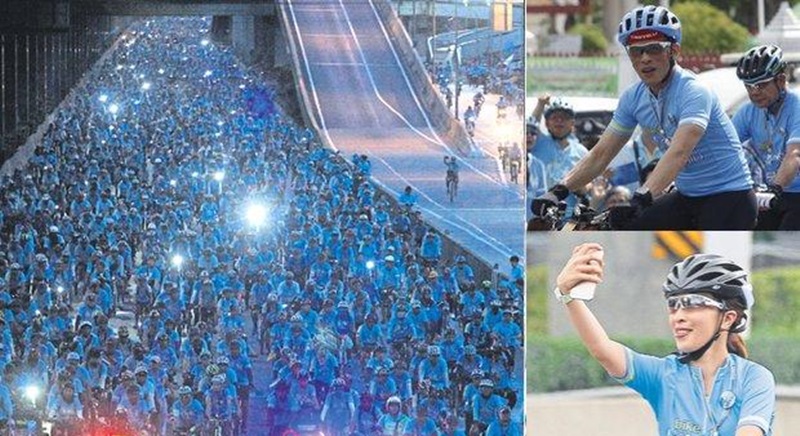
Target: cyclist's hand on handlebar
(585, 265)
(621, 216)
(551, 198)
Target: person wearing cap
(421, 424)
(389, 275)
(503, 425)
(486, 405)
(769, 128)
(65, 406)
(419, 318)
(471, 301)
(220, 404)
(393, 421)
(558, 149)
(187, 411)
(400, 327)
(508, 331)
(370, 333)
(435, 369)
(430, 250)
(338, 409)
(703, 156)
(288, 290)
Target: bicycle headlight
(32, 393)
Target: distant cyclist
(703, 156)
(451, 178)
(769, 128)
(708, 386)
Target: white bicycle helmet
(657, 18)
(559, 105)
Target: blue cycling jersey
(717, 163)
(743, 394)
(765, 138)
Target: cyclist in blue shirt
(708, 386)
(769, 128)
(702, 156)
(503, 426)
(187, 412)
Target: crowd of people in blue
(252, 258)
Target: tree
(708, 29)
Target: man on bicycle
(769, 128)
(702, 155)
(515, 159)
(452, 173)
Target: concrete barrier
(450, 130)
(621, 412)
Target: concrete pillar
(613, 10)
(221, 28)
(243, 37)
(266, 34)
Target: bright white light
(256, 214)
(204, 42)
(177, 260)
(208, 73)
(119, 67)
(173, 183)
(220, 123)
(141, 76)
(219, 176)
(114, 108)
(195, 174)
(32, 393)
(160, 71)
(146, 86)
(60, 289)
(103, 98)
(241, 86)
(233, 112)
(370, 264)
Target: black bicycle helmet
(760, 63)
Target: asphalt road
(366, 105)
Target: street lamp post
(457, 57)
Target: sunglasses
(691, 301)
(758, 86)
(653, 49)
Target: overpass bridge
(365, 90)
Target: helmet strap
(698, 353)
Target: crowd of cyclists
(250, 256)
(691, 167)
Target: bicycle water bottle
(585, 290)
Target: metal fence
(39, 67)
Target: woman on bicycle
(769, 128)
(708, 385)
(702, 154)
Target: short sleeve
(624, 120)
(793, 127)
(758, 407)
(695, 105)
(644, 374)
(742, 125)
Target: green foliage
(777, 308)
(536, 300)
(556, 364)
(707, 29)
(592, 38)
